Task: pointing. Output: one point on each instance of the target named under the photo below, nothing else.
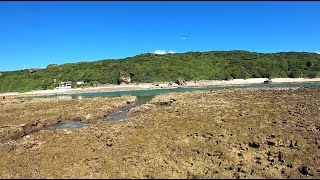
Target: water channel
(143, 97)
(146, 95)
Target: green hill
(213, 65)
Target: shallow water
(145, 96)
(117, 115)
(65, 125)
(179, 89)
(122, 113)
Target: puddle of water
(5, 143)
(122, 113)
(66, 125)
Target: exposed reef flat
(233, 133)
(19, 117)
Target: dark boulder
(180, 82)
(267, 81)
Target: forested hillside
(213, 65)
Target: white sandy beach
(165, 85)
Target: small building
(65, 85)
(80, 82)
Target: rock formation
(267, 81)
(124, 80)
(181, 82)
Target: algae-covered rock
(21, 118)
(261, 133)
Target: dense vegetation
(213, 65)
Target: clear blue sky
(34, 34)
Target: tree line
(143, 68)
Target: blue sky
(35, 34)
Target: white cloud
(159, 51)
(317, 52)
(171, 52)
(184, 38)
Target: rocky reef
(231, 133)
(19, 117)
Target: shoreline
(162, 85)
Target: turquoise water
(66, 125)
(179, 89)
(145, 96)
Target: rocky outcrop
(163, 101)
(124, 80)
(267, 81)
(13, 132)
(141, 109)
(49, 112)
(130, 99)
(180, 82)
